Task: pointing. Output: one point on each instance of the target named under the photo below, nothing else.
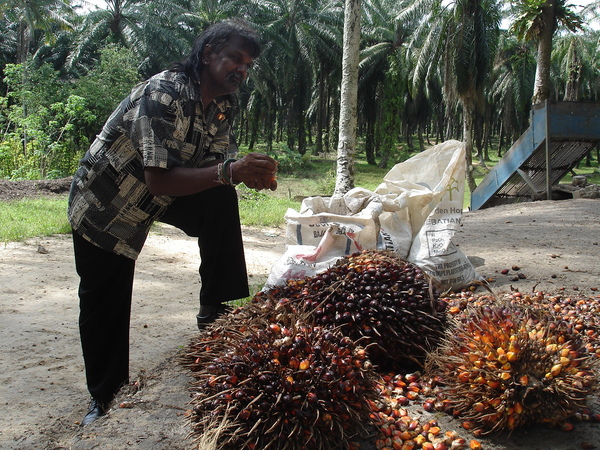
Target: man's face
(227, 69)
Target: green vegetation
(28, 218)
(262, 209)
(63, 70)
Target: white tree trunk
(346, 151)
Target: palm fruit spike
(506, 366)
(284, 386)
(231, 328)
(376, 297)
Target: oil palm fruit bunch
(583, 313)
(282, 385)
(388, 304)
(229, 329)
(506, 365)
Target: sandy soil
(554, 243)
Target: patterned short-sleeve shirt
(160, 124)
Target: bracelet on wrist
(229, 176)
(223, 177)
(220, 178)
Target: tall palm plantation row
(429, 70)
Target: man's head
(215, 40)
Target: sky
(577, 6)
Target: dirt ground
(42, 390)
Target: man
(166, 153)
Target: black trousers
(106, 282)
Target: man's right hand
(256, 170)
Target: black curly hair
(217, 35)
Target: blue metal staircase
(559, 136)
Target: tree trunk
(408, 137)
(541, 89)
(24, 41)
(254, 126)
(320, 112)
(370, 143)
(574, 81)
(272, 119)
(487, 133)
(300, 116)
(291, 126)
(468, 137)
(478, 138)
(346, 149)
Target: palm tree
(461, 37)
(383, 79)
(203, 13)
(348, 111)
(576, 62)
(29, 17)
(537, 21)
(591, 13)
(142, 26)
(511, 88)
(8, 43)
(35, 15)
(301, 40)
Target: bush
(291, 162)
(47, 122)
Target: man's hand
(255, 170)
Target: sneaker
(209, 313)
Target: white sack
(413, 213)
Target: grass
(263, 209)
(37, 217)
(315, 176)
